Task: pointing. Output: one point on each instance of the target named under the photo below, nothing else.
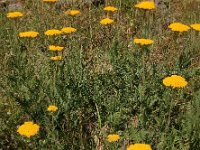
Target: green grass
(105, 83)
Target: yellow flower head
(175, 81)
(110, 8)
(50, 1)
(28, 129)
(143, 41)
(196, 26)
(28, 34)
(113, 138)
(148, 5)
(52, 108)
(56, 58)
(138, 146)
(14, 14)
(106, 21)
(53, 32)
(55, 48)
(68, 30)
(72, 12)
(178, 27)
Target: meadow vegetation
(94, 86)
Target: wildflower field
(118, 75)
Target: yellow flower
(178, 27)
(175, 81)
(50, 1)
(52, 108)
(146, 5)
(14, 14)
(68, 30)
(110, 8)
(72, 12)
(196, 26)
(28, 129)
(55, 48)
(106, 21)
(113, 137)
(56, 58)
(138, 146)
(53, 32)
(28, 34)
(143, 41)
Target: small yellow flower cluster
(147, 5)
(28, 129)
(52, 108)
(175, 81)
(73, 12)
(178, 27)
(53, 32)
(55, 48)
(106, 21)
(143, 41)
(113, 138)
(56, 58)
(110, 8)
(50, 1)
(139, 146)
(68, 30)
(195, 26)
(28, 34)
(14, 14)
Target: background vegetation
(101, 86)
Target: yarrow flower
(53, 32)
(113, 138)
(178, 27)
(14, 14)
(50, 1)
(143, 41)
(175, 81)
(110, 8)
(28, 129)
(146, 5)
(72, 12)
(28, 34)
(138, 146)
(55, 48)
(52, 108)
(196, 26)
(106, 21)
(68, 30)
(56, 58)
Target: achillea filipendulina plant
(113, 138)
(14, 14)
(56, 58)
(28, 129)
(50, 1)
(143, 41)
(178, 27)
(175, 81)
(147, 5)
(110, 8)
(28, 34)
(73, 12)
(195, 26)
(139, 146)
(55, 48)
(53, 32)
(68, 30)
(52, 108)
(106, 21)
